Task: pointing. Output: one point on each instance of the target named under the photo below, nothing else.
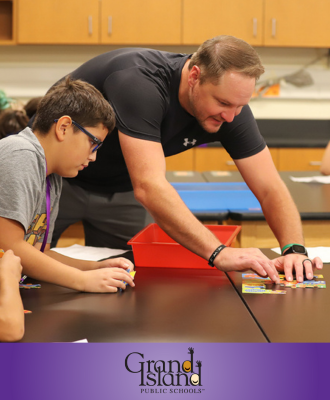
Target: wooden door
(203, 20)
(141, 22)
(300, 159)
(297, 23)
(58, 22)
(217, 158)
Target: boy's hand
(119, 262)
(106, 280)
(11, 264)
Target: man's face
(213, 104)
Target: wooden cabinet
(58, 22)
(141, 22)
(297, 23)
(213, 159)
(299, 159)
(205, 19)
(181, 162)
(99, 21)
(260, 22)
(8, 22)
(217, 158)
(165, 22)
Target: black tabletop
(184, 176)
(311, 199)
(222, 176)
(300, 315)
(167, 305)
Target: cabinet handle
(109, 25)
(273, 27)
(315, 163)
(230, 163)
(255, 27)
(90, 25)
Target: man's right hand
(240, 260)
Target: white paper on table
(88, 253)
(315, 179)
(81, 341)
(322, 252)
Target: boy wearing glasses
(71, 123)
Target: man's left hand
(297, 262)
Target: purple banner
(164, 371)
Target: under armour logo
(186, 142)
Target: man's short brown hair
(226, 53)
(77, 99)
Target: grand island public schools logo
(172, 374)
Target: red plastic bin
(152, 247)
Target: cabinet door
(58, 22)
(300, 159)
(181, 162)
(297, 23)
(205, 19)
(141, 22)
(213, 159)
(217, 158)
(8, 22)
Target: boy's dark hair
(12, 121)
(77, 99)
(31, 106)
(226, 53)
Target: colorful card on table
(29, 286)
(250, 286)
(253, 283)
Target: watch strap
(289, 245)
(292, 250)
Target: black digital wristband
(215, 253)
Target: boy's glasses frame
(98, 143)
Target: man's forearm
(283, 217)
(173, 216)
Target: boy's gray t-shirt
(23, 185)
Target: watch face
(296, 248)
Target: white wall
(28, 71)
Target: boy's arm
(40, 266)
(84, 265)
(11, 307)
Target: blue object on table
(232, 196)
(197, 186)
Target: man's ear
(194, 75)
(61, 126)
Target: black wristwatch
(296, 249)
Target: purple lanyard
(47, 212)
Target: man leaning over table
(166, 103)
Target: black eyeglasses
(97, 142)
